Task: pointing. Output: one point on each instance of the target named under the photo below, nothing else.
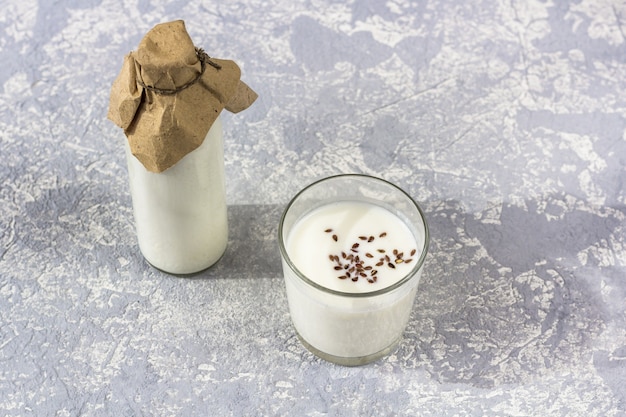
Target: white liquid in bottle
(180, 213)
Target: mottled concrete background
(506, 119)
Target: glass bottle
(180, 213)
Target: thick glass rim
(385, 290)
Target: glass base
(350, 361)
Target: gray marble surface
(505, 119)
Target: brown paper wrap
(164, 101)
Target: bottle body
(180, 213)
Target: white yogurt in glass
(352, 266)
(352, 246)
(180, 213)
